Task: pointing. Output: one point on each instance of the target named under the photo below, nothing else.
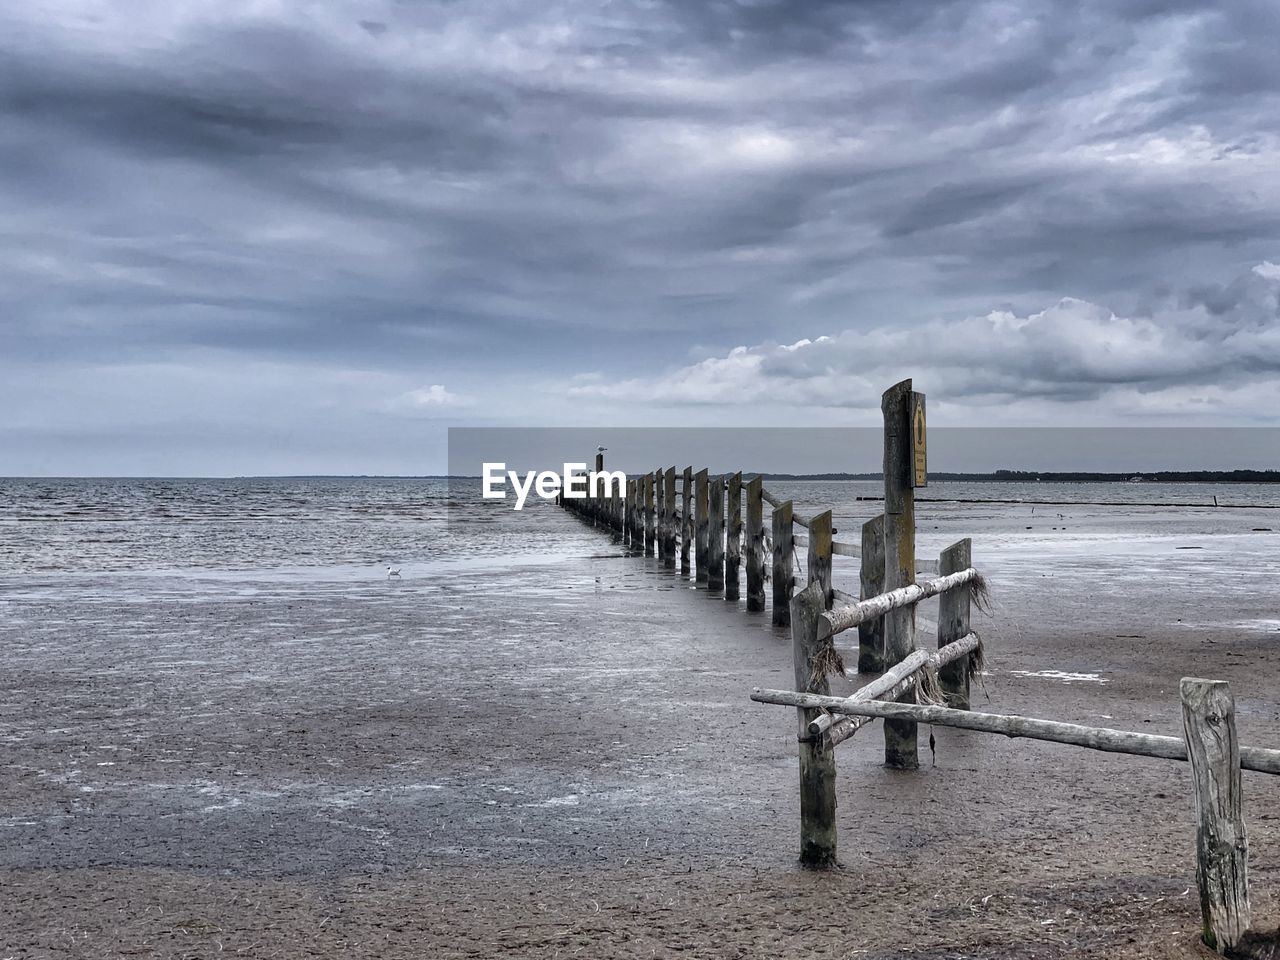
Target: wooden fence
(915, 685)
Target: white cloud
(1214, 353)
(433, 396)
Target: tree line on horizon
(1059, 476)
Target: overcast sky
(292, 237)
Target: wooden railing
(915, 685)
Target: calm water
(358, 526)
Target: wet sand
(464, 765)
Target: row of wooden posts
(666, 512)
(646, 516)
(663, 512)
(699, 517)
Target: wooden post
(819, 564)
(686, 520)
(597, 502)
(715, 533)
(648, 514)
(669, 541)
(637, 536)
(871, 582)
(953, 623)
(659, 485)
(660, 508)
(700, 559)
(783, 564)
(638, 516)
(629, 521)
(733, 539)
(899, 559)
(817, 757)
(755, 545)
(1222, 850)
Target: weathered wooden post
(733, 538)
(637, 515)
(819, 564)
(700, 541)
(649, 532)
(715, 533)
(629, 520)
(953, 623)
(817, 756)
(664, 511)
(597, 501)
(783, 563)
(686, 520)
(668, 514)
(755, 545)
(1222, 850)
(871, 584)
(637, 537)
(627, 502)
(660, 507)
(899, 558)
(669, 541)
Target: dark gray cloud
(369, 200)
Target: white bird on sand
(393, 572)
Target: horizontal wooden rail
(845, 727)
(773, 501)
(898, 679)
(843, 618)
(923, 624)
(849, 550)
(1094, 738)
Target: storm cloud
(291, 236)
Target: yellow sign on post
(919, 456)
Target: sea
(219, 675)
(349, 528)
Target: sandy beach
(549, 751)
(956, 324)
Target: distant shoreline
(1026, 476)
(998, 476)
